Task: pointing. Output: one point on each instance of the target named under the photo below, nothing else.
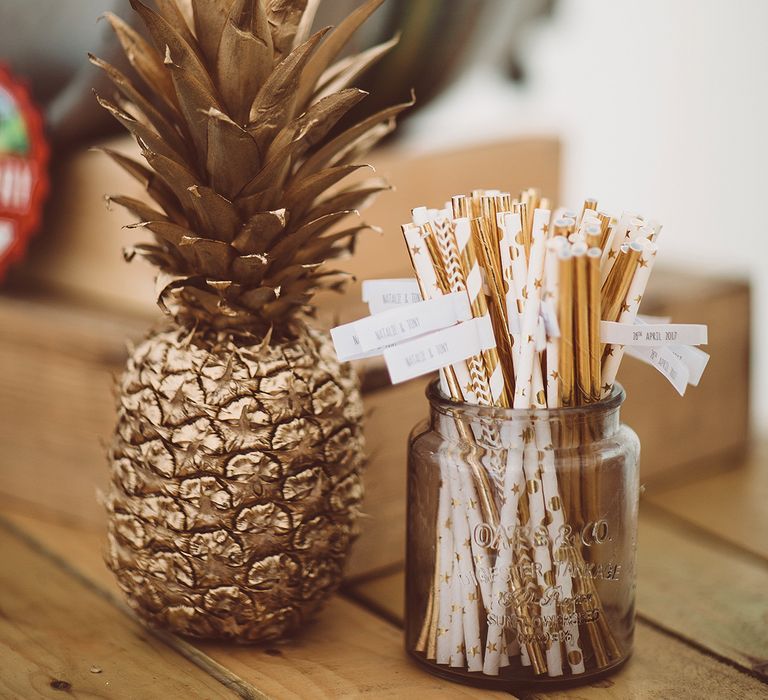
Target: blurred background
(654, 107)
(659, 107)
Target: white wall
(662, 106)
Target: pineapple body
(235, 480)
(235, 465)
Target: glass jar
(522, 531)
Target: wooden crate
(56, 407)
(78, 254)
(61, 347)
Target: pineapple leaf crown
(234, 110)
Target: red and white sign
(23, 169)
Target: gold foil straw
(581, 323)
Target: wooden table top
(702, 627)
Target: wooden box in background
(709, 426)
(61, 345)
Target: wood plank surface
(79, 544)
(57, 635)
(730, 505)
(385, 593)
(348, 652)
(661, 666)
(54, 417)
(706, 592)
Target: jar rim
(446, 404)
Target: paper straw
(527, 223)
(421, 642)
(563, 227)
(514, 225)
(556, 518)
(541, 552)
(534, 199)
(615, 288)
(460, 206)
(656, 226)
(534, 282)
(444, 567)
(485, 225)
(593, 236)
(526, 362)
(489, 372)
(605, 228)
(589, 205)
(593, 285)
(538, 393)
(456, 643)
(565, 321)
(505, 220)
(612, 246)
(550, 298)
(581, 323)
(630, 307)
(498, 311)
(514, 485)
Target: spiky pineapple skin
(235, 481)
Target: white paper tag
(412, 320)
(666, 362)
(653, 334)
(384, 294)
(439, 349)
(695, 359)
(346, 342)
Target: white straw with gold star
(614, 353)
(530, 315)
(550, 300)
(463, 567)
(444, 568)
(514, 485)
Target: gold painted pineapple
(237, 455)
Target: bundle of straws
(545, 280)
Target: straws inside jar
(544, 283)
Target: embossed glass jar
(521, 542)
